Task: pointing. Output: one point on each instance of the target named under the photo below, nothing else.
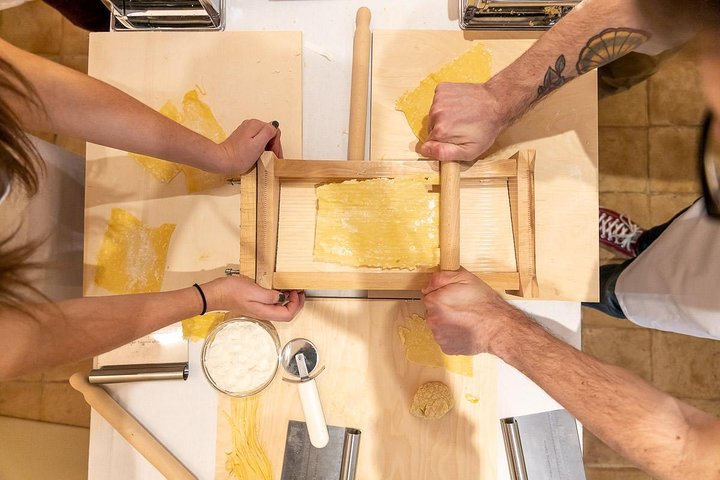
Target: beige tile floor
(647, 170)
(648, 137)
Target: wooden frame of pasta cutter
(259, 248)
(261, 191)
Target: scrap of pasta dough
(473, 66)
(247, 459)
(472, 398)
(198, 117)
(382, 222)
(421, 347)
(197, 327)
(132, 255)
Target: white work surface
(183, 415)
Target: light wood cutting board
(562, 129)
(368, 384)
(244, 75)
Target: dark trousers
(609, 274)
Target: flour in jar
(242, 357)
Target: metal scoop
(300, 359)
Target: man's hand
(243, 147)
(465, 119)
(241, 296)
(464, 313)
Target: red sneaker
(618, 232)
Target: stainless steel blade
(542, 446)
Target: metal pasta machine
(512, 14)
(166, 14)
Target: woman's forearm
(43, 335)
(83, 107)
(52, 334)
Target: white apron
(674, 285)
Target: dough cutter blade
(337, 460)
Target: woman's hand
(241, 296)
(240, 151)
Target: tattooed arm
(465, 118)
(667, 438)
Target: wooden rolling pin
(449, 215)
(130, 429)
(359, 86)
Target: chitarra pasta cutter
(262, 188)
(261, 218)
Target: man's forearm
(663, 436)
(594, 33)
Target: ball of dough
(432, 400)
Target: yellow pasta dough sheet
(198, 117)
(198, 327)
(382, 222)
(132, 255)
(421, 347)
(473, 66)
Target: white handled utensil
(299, 358)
